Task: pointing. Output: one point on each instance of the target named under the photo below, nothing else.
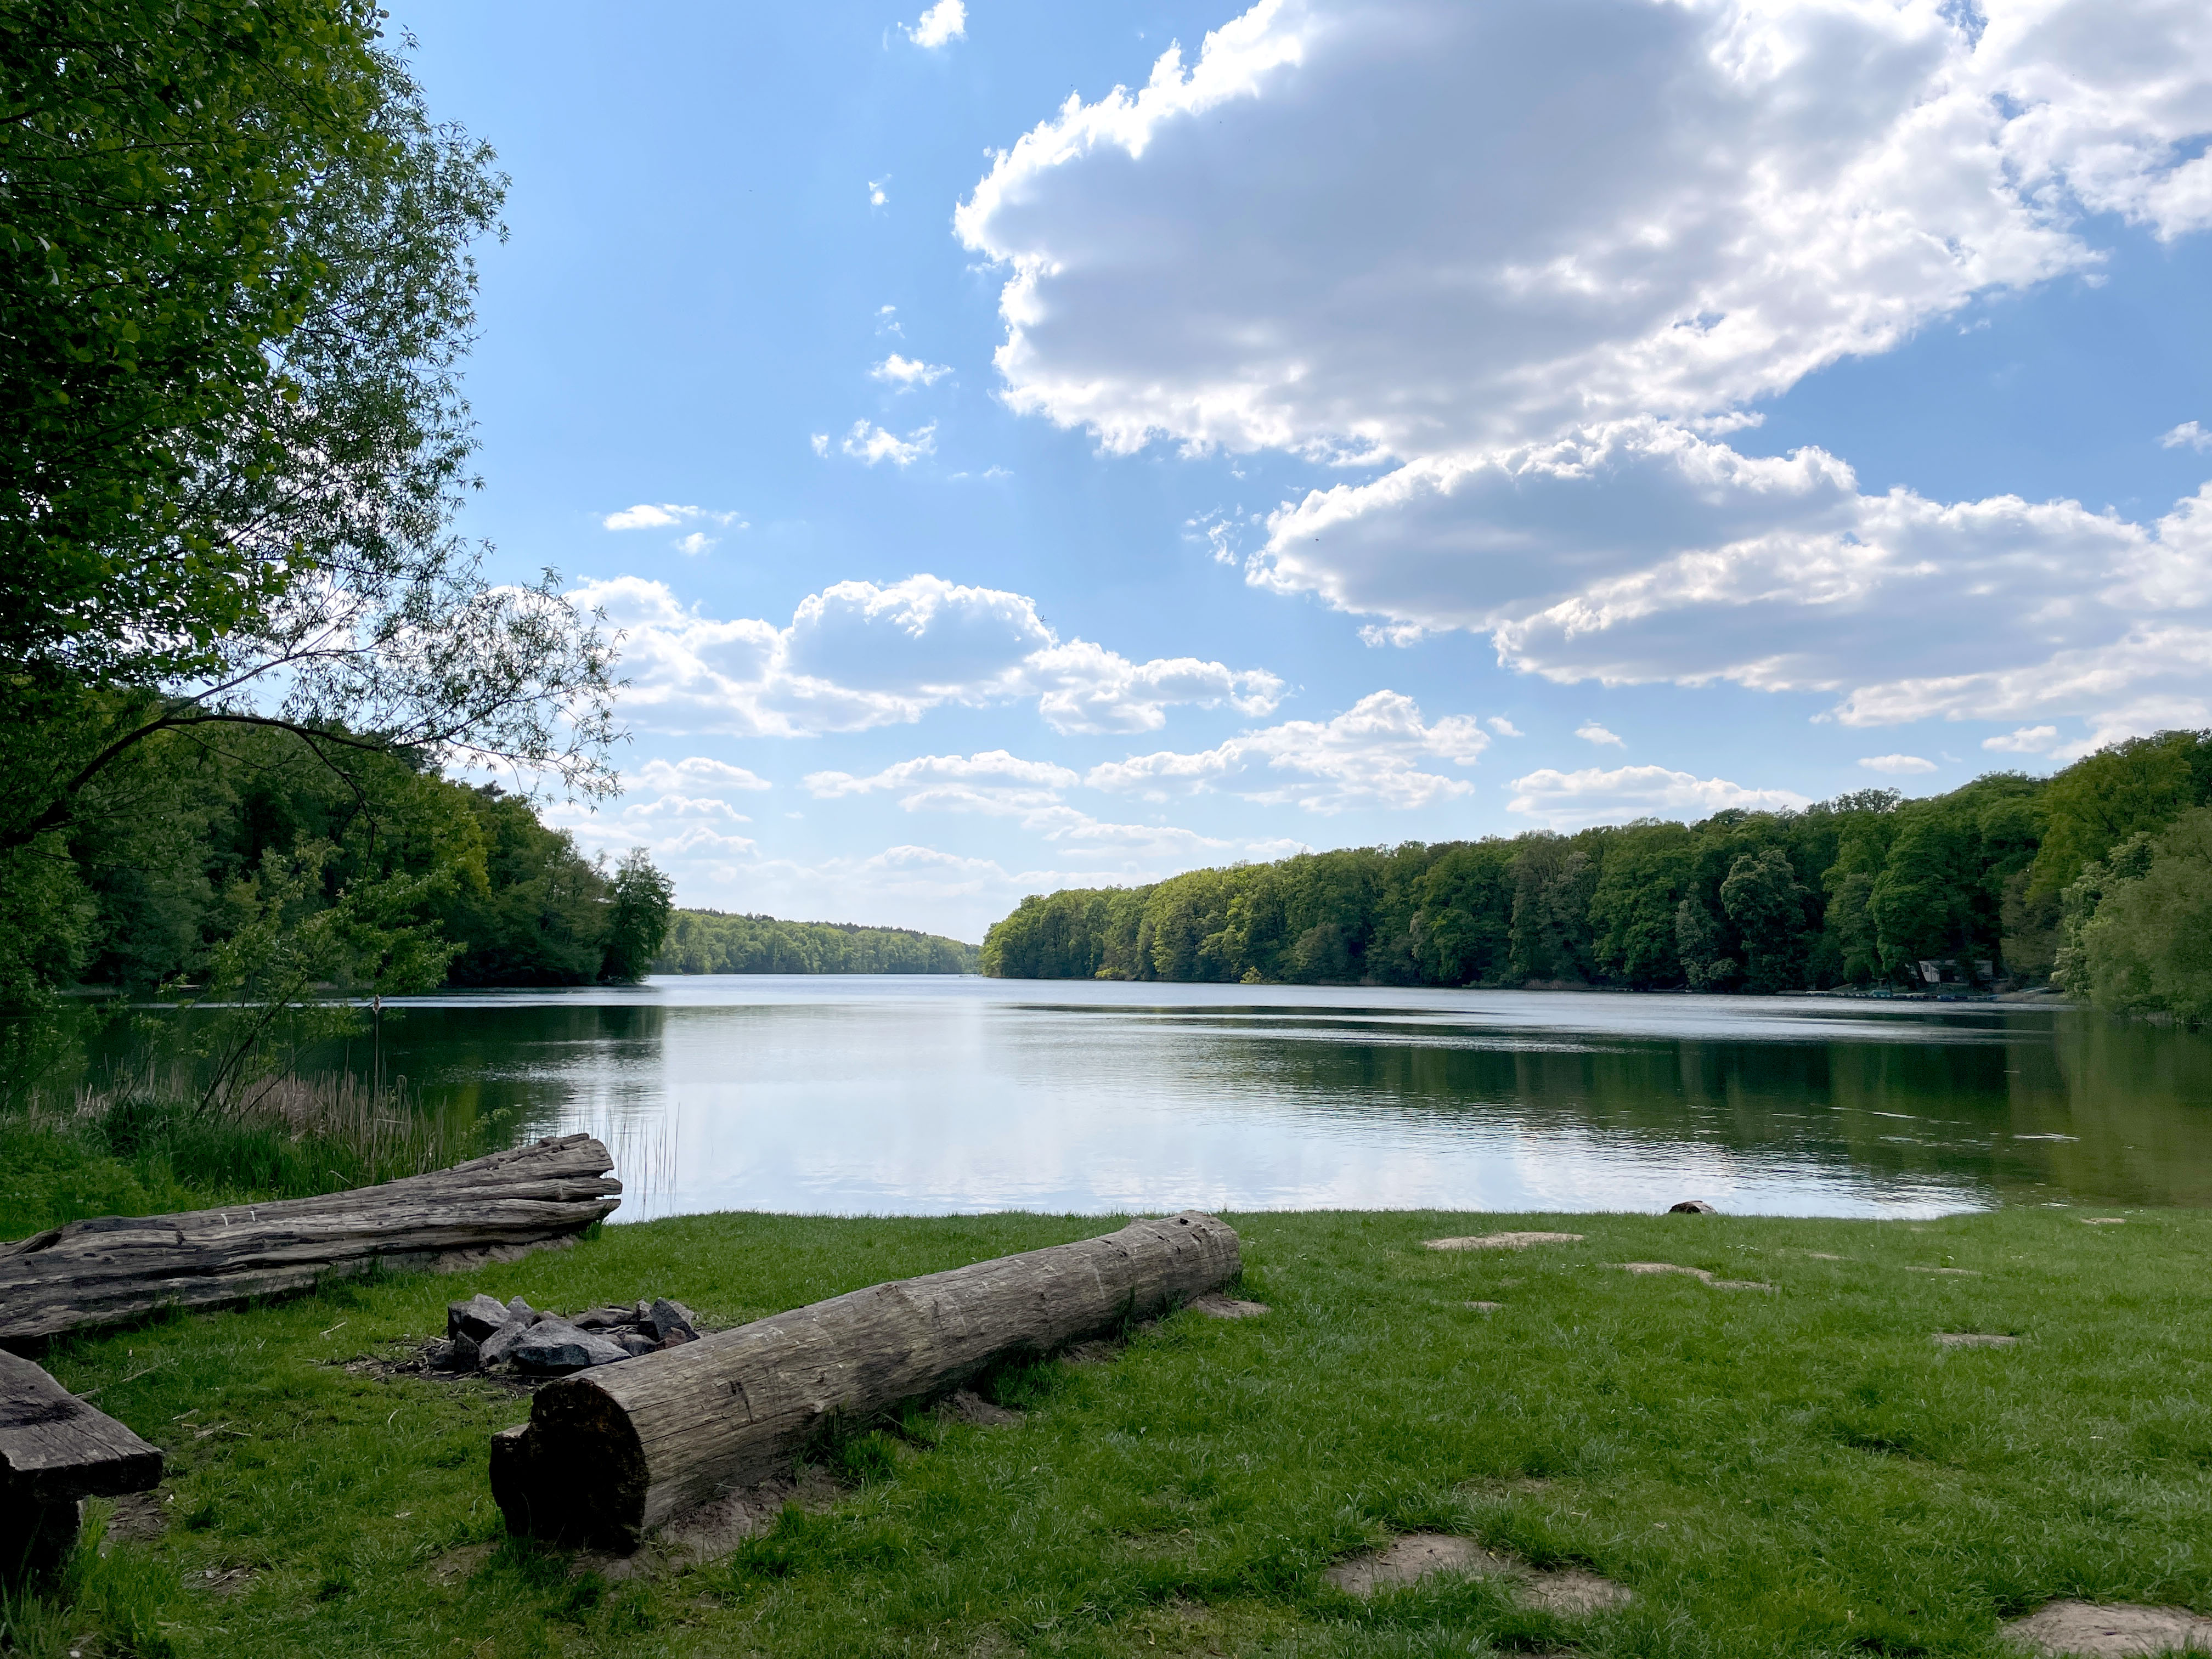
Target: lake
(928, 1094)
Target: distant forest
(2098, 879)
(710, 941)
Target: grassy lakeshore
(1800, 1472)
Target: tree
(2141, 784)
(235, 288)
(1763, 898)
(2147, 946)
(641, 900)
(1702, 949)
(1647, 868)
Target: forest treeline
(224, 854)
(711, 942)
(2099, 877)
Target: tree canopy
(235, 288)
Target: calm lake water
(921, 1095)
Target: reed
(146, 1141)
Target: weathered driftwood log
(55, 1450)
(103, 1271)
(619, 1448)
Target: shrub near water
(1804, 1471)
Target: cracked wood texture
(56, 1448)
(611, 1451)
(106, 1271)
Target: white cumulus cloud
(2188, 435)
(870, 443)
(858, 655)
(1536, 260)
(694, 772)
(649, 515)
(1566, 799)
(2025, 740)
(944, 22)
(1591, 732)
(905, 372)
(1897, 765)
(1372, 754)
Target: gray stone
(461, 1354)
(521, 1310)
(554, 1347)
(605, 1319)
(499, 1347)
(633, 1343)
(475, 1318)
(1692, 1206)
(670, 1316)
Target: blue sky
(1381, 422)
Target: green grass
(1803, 1474)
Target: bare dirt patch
(1572, 1592)
(222, 1581)
(1974, 1340)
(970, 1407)
(2104, 1221)
(1502, 1241)
(1949, 1273)
(713, 1530)
(139, 1517)
(1484, 1307)
(1409, 1559)
(1228, 1307)
(456, 1564)
(1698, 1274)
(2091, 1632)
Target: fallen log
(115, 1268)
(55, 1450)
(612, 1451)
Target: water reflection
(932, 1095)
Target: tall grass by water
(147, 1142)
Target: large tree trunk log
(104, 1271)
(55, 1449)
(614, 1450)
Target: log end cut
(574, 1474)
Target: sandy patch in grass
(1974, 1340)
(1570, 1591)
(1409, 1559)
(2092, 1631)
(460, 1563)
(1502, 1241)
(1485, 1307)
(1950, 1273)
(2104, 1221)
(1228, 1307)
(1698, 1274)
